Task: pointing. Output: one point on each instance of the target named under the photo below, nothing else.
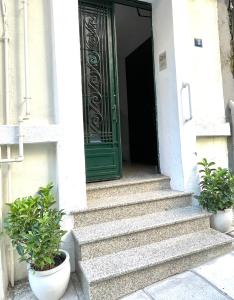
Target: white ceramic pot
(222, 220)
(51, 284)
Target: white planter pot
(222, 220)
(51, 284)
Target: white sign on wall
(163, 61)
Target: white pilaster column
(177, 140)
(184, 43)
(68, 103)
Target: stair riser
(137, 239)
(116, 287)
(132, 188)
(129, 210)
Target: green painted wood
(100, 99)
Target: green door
(100, 105)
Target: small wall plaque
(163, 61)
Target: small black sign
(198, 43)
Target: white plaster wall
(225, 50)
(206, 83)
(166, 91)
(201, 68)
(39, 58)
(135, 34)
(214, 149)
(174, 33)
(183, 49)
(37, 169)
(228, 80)
(68, 105)
(69, 113)
(207, 89)
(55, 84)
(39, 166)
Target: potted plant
(217, 194)
(33, 226)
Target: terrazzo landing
(211, 281)
(185, 286)
(22, 291)
(220, 273)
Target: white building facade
(41, 100)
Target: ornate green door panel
(99, 92)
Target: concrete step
(127, 206)
(112, 276)
(98, 190)
(105, 238)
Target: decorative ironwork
(95, 71)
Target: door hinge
(114, 113)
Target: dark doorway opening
(136, 86)
(141, 104)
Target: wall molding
(213, 130)
(32, 134)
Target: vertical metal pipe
(5, 40)
(26, 61)
(26, 114)
(9, 200)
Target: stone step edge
(150, 199)
(201, 215)
(165, 260)
(157, 263)
(124, 183)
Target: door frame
(148, 7)
(132, 3)
(170, 36)
(114, 108)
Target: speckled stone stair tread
(126, 181)
(128, 206)
(118, 235)
(122, 200)
(137, 231)
(98, 190)
(117, 264)
(115, 228)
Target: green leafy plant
(217, 187)
(33, 226)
